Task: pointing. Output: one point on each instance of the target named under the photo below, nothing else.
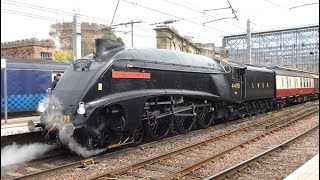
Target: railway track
(241, 170)
(34, 171)
(176, 164)
(21, 138)
(46, 162)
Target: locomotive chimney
(106, 46)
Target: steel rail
(244, 164)
(201, 163)
(133, 167)
(96, 159)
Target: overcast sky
(23, 19)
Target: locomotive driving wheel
(204, 117)
(98, 142)
(184, 123)
(138, 136)
(158, 128)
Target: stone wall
(33, 48)
(168, 38)
(27, 48)
(89, 32)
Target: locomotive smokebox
(106, 46)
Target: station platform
(308, 171)
(17, 125)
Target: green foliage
(111, 35)
(63, 55)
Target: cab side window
(235, 73)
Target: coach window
(282, 82)
(289, 80)
(301, 82)
(306, 82)
(309, 82)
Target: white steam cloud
(64, 133)
(55, 36)
(13, 155)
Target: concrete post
(76, 36)
(4, 66)
(248, 41)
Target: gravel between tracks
(282, 163)
(123, 159)
(256, 148)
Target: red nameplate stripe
(133, 75)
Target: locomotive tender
(121, 95)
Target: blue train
(28, 81)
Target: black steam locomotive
(120, 95)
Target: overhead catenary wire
(232, 10)
(52, 19)
(114, 14)
(272, 3)
(35, 16)
(161, 12)
(203, 12)
(72, 14)
(68, 13)
(55, 20)
(45, 9)
(303, 5)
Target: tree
(64, 55)
(111, 35)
